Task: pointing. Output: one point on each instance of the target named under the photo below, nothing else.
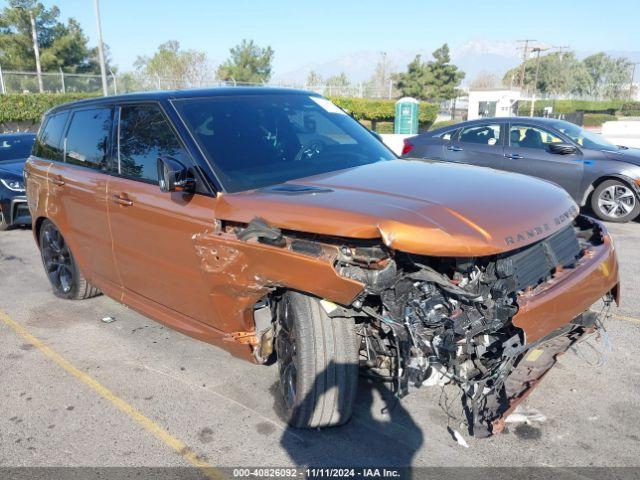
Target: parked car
(595, 172)
(14, 151)
(270, 223)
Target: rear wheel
(615, 201)
(317, 362)
(3, 223)
(60, 266)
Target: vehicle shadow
(381, 433)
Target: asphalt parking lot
(80, 392)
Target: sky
(302, 31)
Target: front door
(528, 152)
(153, 231)
(477, 145)
(77, 191)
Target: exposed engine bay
(426, 321)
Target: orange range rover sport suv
(270, 223)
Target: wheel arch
(37, 226)
(609, 176)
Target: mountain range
(471, 57)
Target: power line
(525, 52)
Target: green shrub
(376, 110)
(597, 119)
(29, 107)
(570, 106)
(630, 113)
(630, 106)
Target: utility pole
(524, 59)
(535, 81)
(103, 70)
(633, 74)
(560, 49)
(383, 80)
(36, 49)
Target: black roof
(178, 94)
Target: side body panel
(37, 187)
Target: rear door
(478, 144)
(77, 192)
(47, 149)
(528, 152)
(153, 231)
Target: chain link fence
(12, 81)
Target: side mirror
(173, 176)
(562, 148)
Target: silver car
(596, 173)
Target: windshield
(254, 141)
(13, 148)
(584, 137)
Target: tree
(248, 63)
(435, 80)
(485, 80)
(340, 80)
(173, 67)
(313, 79)
(61, 45)
(608, 74)
(598, 75)
(378, 84)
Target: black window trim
(192, 163)
(43, 127)
(71, 112)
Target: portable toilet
(406, 119)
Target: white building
(494, 102)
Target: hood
(628, 155)
(14, 167)
(420, 207)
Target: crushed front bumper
(570, 292)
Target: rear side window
(88, 137)
(49, 142)
(481, 134)
(144, 135)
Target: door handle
(56, 181)
(125, 202)
(513, 156)
(454, 148)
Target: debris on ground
(108, 319)
(528, 416)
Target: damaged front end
(426, 320)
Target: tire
(317, 363)
(61, 268)
(3, 223)
(615, 201)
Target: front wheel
(615, 201)
(61, 268)
(317, 362)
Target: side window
(531, 137)
(48, 143)
(481, 134)
(145, 135)
(88, 138)
(446, 136)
